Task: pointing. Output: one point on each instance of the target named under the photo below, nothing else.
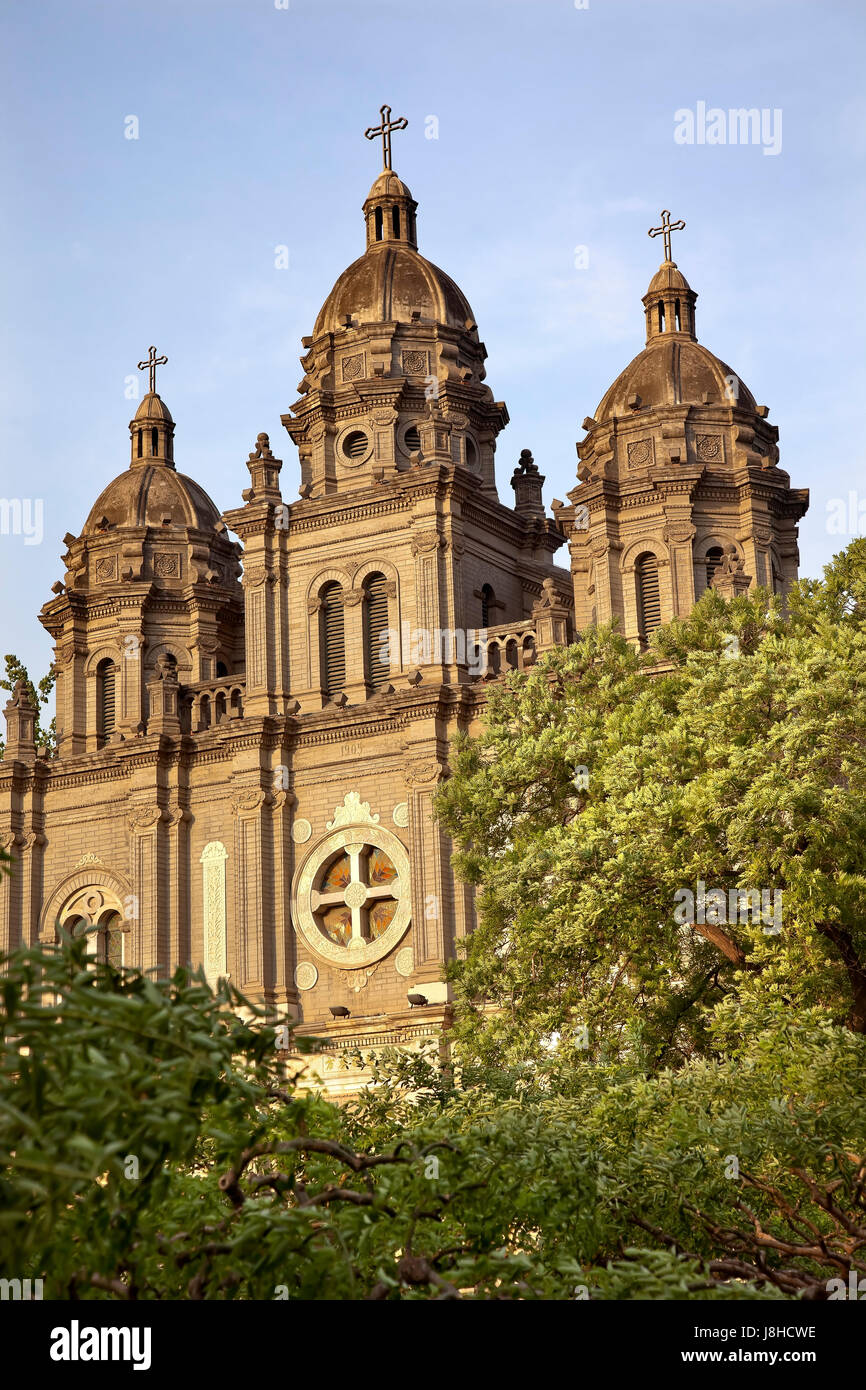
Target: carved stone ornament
(356, 980)
(106, 568)
(353, 367)
(424, 541)
(306, 975)
(404, 961)
(301, 831)
(352, 597)
(400, 814)
(353, 811)
(262, 449)
(144, 818)
(414, 363)
(639, 453)
(708, 447)
(166, 564)
(254, 576)
(247, 801)
(423, 772)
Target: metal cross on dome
(356, 895)
(385, 131)
(665, 230)
(152, 362)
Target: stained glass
(381, 868)
(337, 924)
(381, 917)
(338, 875)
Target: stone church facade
(251, 732)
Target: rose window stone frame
(353, 840)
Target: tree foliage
(605, 784)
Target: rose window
(352, 895)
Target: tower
(679, 478)
(251, 733)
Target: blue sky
(555, 130)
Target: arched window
(154, 441)
(376, 654)
(661, 317)
(511, 653)
(222, 670)
(713, 560)
(109, 940)
(646, 573)
(140, 448)
(106, 673)
(378, 222)
(332, 650)
(471, 454)
(677, 321)
(487, 600)
(395, 220)
(412, 439)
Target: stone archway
(96, 902)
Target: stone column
(148, 912)
(679, 535)
(179, 943)
(10, 894)
(30, 869)
(253, 904)
(353, 644)
(432, 883)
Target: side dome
(673, 370)
(152, 496)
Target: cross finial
(152, 362)
(385, 131)
(665, 230)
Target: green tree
(154, 1145)
(606, 786)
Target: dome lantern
(151, 430)
(669, 303)
(389, 209)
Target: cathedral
(250, 731)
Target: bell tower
(679, 478)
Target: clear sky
(556, 130)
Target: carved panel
(414, 363)
(640, 452)
(708, 447)
(353, 367)
(166, 564)
(213, 862)
(106, 568)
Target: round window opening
(355, 445)
(352, 897)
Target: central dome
(389, 283)
(392, 282)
